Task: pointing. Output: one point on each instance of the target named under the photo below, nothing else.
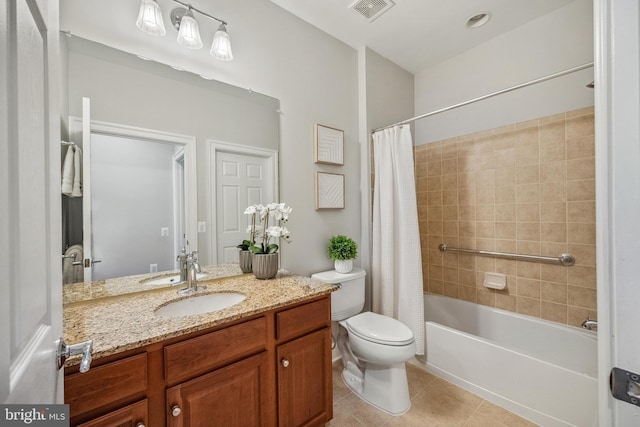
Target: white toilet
(374, 348)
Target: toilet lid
(381, 329)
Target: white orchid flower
(250, 210)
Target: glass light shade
(189, 33)
(221, 46)
(150, 18)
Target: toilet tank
(349, 299)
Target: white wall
(131, 200)
(312, 74)
(557, 41)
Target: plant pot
(265, 266)
(245, 261)
(343, 266)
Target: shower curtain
(397, 262)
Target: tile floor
(435, 403)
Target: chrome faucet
(589, 324)
(182, 258)
(192, 268)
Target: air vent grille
(372, 9)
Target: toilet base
(384, 387)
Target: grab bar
(564, 259)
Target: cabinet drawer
(106, 384)
(305, 318)
(132, 415)
(198, 355)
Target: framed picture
(329, 190)
(329, 145)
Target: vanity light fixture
(150, 21)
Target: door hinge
(625, 386)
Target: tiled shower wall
(526, 188)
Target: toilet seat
(379, 329)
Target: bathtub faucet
(589, 324)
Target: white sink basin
(168, 280)
(200, 304)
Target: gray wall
(557, 41)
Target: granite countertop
(83, 291)
(125, 322)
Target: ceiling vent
(372, 9)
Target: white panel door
(618, 202)
(30, 203)
(241, 180)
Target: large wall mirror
(163, 150)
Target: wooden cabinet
(135, 415)
(273, 369)
(233, 396)
(304, 380)
(304, 364)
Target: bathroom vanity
(265, 361)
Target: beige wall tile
(581, 112)
(554, 292)
(553, 192)
(584, 254)
(581, 297)
(528, 174)
(528, 288)
(506, 230)
(554, 273)
(552, 151)
(505, 212)
(552, 131)
(528, 231)
(505, 194)
(553, 171)
(553, 312)
(527, 193)
(580, 126)
(581, 190)
(529, 306)
(581, 168)
(581, 147)
(553, 212)
(583, 276)
(526, 188)
(506, 302)
(553, 232)
(581, 232)
(581, 211)
(528, 212)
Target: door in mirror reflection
(243, 178)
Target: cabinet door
(130, 416)
(233, 396)
(304, 380)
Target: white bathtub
(542, 371)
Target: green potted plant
(244, 256)
(342, 250)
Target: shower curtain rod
(491, 95)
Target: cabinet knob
(140, 424)
(284, 362)
(175, 411)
